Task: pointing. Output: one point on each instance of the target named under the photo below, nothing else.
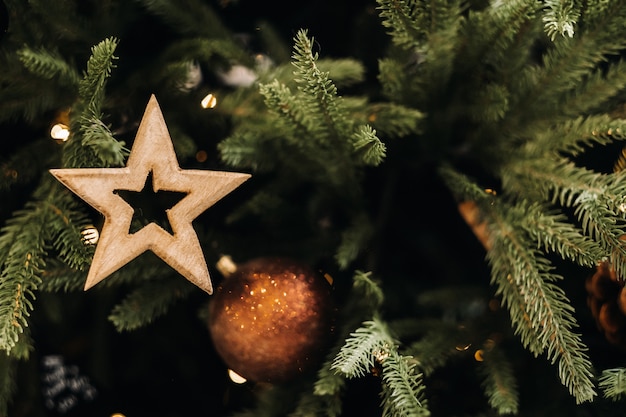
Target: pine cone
(607, 301)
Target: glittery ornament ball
(271, 320)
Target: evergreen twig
(612, 382)
(499, 382)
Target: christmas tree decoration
(60, 129)
(193, 79)
(90, 235)
(63, 386)
(271, 319)
(376, 143)
(152, 155)
(60, 132)
(607, 301)
(238, 76)
(209, 101)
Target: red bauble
(271, 320)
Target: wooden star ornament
(152, 154)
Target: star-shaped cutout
(152, 152)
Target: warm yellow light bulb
(60, 132)
(90, 235)
(463, 347)
(235, 377)
(226, 265)
(209, 101)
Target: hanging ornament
(63, 386)
(193, 77)
(152, 166)
(238, 76)
(271, 319)
(607, 301)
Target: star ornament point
(153, 154)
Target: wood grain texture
(152, 151)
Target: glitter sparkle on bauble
(272, 319)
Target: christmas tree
(385, 207)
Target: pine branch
(595, 92)
(566, 64)
(358, 354)
(148, 302)
(318, 88)
(344, 72)
(597, 200)
(397, 84)
(602, 220)
(603, 21)
(539, 309)
(92, 86)
(463, 187)
(365, 298)
(65, 225)
(24, 97)
(492, 103)
(369, 146)
(22, 254)
(499, 382)
(560, 17)
(429, 29)
(553, 231)
(612, 382)
(49, 65)
(293, 110)
(405, 22)
(503, 25)
(369, 292)
(393, 120)
(316, 112)
(242, 149)
(332, 122)
(435, 347)
(147, 267)
(59, 277)
(91, 143)
(328, 381)
(63, 21)
(353, 239)
(403, 390)
(97, 137)
(575, 136)
(372, 344)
